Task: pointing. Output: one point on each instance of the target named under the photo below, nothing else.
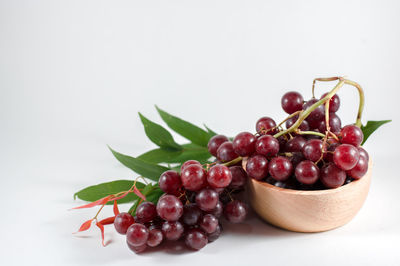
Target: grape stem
(233, 162)
(310, 133)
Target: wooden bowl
(308, 211)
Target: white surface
(73, 75)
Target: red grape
(291, 102)
(265, 125)
(351, 134)
(155, 237)
(244, 144)
(191, 214)
(172, 230)
(312, 150)
(239, 177)
(208, 223)
(196, 239)
(215, 142)
(346, 156)
(193, 177)
(332, 176)
(295, 144)
(235, 211)
(137, 234)
(257, 167)
(280, 168)
(146, 212)
(307, 172)
(267, 145)
(170, 182)
(219, 176)
(226, 153)
(360, 169)
(187, 163)
(122, 221)
(207, 199)
(169, 208)
(334, 102)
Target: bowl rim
(316, 192)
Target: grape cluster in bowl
(191, 208)
(313, 157)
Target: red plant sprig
(103, 201)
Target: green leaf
(152, 194)
(102, 190)
(159, 135)
(146, 169)
(190, 152)
(210, 131)
(188, 130)
(371, 126)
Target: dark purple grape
(215, 142)
(244, 144)
(296, 158)
(122, 221)
(317, 114)
(363, 153)
(218, 210)
(291, 102)
(226, 153)
(334, 122)
(235, 211)
(328, 155)
(191, 214)
(257, 167)
(280, 168)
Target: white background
(74, 74)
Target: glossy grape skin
(346, 156)
(208, 223)
(218, 210)
(207, 199)
(295, 144)
(191, 214)
(155, 237)
(196, 239)
(169, 208)
(226, 153)
(257, 167)
(267, 145)
(352, 135)
(239, 177)
(317, 114)
(172, 230)
(280, 168)
(291, 102)
(146, 212)
(335, 124)
(122, 222)
(137, 234)
(265, 125)
(363, 153)
(332, 176)
(235, 211)
(312, 150)
(219, 176)
(244, 144)
(360, 169)
(214, 236)
(193, 177)
(304, 126)
(307, 172)
(189, 162)
(136, 249)
(215, 142)
(170, 182)
(334, 102)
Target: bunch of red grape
(191, 207)
(301, 161)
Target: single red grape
(187, 163)
(226, 153)
(235, 211)
(317, 114)
(137, 234)
(191, 214)
(280, 168)
(295, 144)
(351, 134)
(215, 142)
(346, 156)
(334, 102)
(332, 176)
(267, 145)
(169, 208)
(292, 101)
(360, 169)
(239, 177)
(146, 212)
(172, 230)
(193, 177)
(218, 210)
(122, 221)
(207, 199)
(266, 125)
(155, 237)
(170, 182)
(208, 223)
(304, 126)
(312, 150)
(196, 239)
(257, 167)
(307, 172)
(219, 176)
(244, 144)
(214, 236)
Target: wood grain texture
(308, 211)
